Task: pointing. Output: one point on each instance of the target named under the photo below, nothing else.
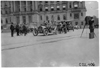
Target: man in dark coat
(12, 29)
(17, 29)
(91, 26)
(24, 30)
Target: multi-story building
(39, 11)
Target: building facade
(38, 12)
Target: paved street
(48, 51)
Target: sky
(92, 8)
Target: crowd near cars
(45, 28)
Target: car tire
(35, 32)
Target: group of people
(62, 27)
(18, 29)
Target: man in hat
(91, 27)
(17, 29)
(12, 29)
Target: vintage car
(69, 26)
(44, 29)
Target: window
(70, 5)
(76, 23)
(64, 7)
(81, 23)
(47, 18)
(58, 17)
(52, 9)
(17, 6)
(58, 8)
(6, 21)
(30, 19)
(76, 16)
(6, 12)
(24, 19)
(24, 8)
(76, 4)
(46, 9)
(70, 15)
(64, 17)
(31, 9)
(17, 20)
(40, 17)
(40, 9)
(81, 14)
(52, 18)
(52, 1)
(30, 5)
(46, 1)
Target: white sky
(92, 8)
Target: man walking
(12, 29)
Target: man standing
(12, 29)
(17, 29)
(24, 30)
(91, 27)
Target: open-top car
(44, 29)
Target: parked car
(43, 29)
(69, 26)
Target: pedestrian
(17, 29)
(64, 27)
(24, 30)
(12, 29)
(91, 27)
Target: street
(50, 51)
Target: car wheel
(45, 32)
(35, 32)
